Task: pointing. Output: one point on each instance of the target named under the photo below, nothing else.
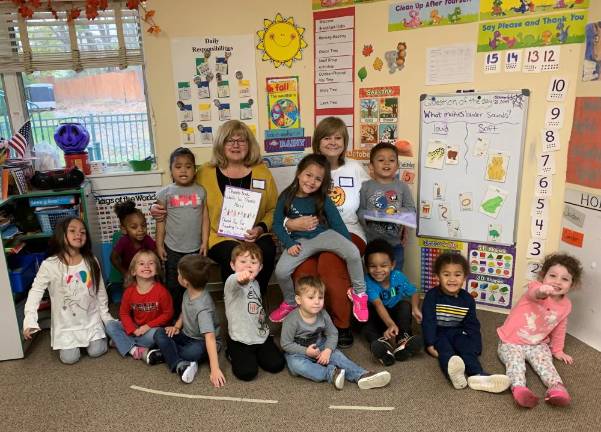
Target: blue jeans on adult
(301, 365)
(124, 342)
(399, 257)
(179, 348)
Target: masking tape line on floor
(360, 408)
(192, 396)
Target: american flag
(22, 140)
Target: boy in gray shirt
(249, 344)
(309, 339)
(385, 194)
(195, 335)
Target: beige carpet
(38, 393)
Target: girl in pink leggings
(535, 331)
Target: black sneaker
(382, 351)
(345, 338)
(154, 356)
(407, 346)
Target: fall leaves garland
(26, 8)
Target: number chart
(490, 281)
(430, 250)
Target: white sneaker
(456, 371)
(489, 383)
(373, 380)
(338, 378)
(189, 372)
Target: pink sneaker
(359, 305)
(139, 353)
(524, 397)
(280, 313)
(558, 396)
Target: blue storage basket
(22, 276)
(48, 218)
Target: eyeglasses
(240, 142)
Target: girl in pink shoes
(535, 331)
(308, 196)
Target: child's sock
(489, 383)
(558, 395)
(524, 397)
(456, 372)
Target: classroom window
(82, 71)
(5, 130)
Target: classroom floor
(38, 393)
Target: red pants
(332, 271)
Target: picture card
(493, 200)
(435, 155)
(496, 168)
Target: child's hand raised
(546, 290)
(217, 378)
(243, 277)
(294, 250)
(312, 351)
(324, 357)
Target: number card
(550, 140)
(543, 187)
(538, 227)
(536, 248)
(239, 211)
(408, 176)
(513, 61)
(554, 117)
(540, 208)
(532, 61)
(549, 58)
(546, 163)
(492, 63)
(532, 269)
(558, 88)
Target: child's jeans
(179, 348)
(327, 241)
(95, 349)
(455, 341)
(539, 356)
(173, 286)
(124, 342)
(301, 365)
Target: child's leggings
(327, 241)
(539, 356)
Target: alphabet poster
(215, 81)
(239, 211)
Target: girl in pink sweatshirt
(535, 331)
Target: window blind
(45, 43)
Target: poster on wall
(378, 115)
(584, 151)
(325, 4)
(490, 281)
(591, 69)
(281, 41)
(335, 65)
(283, 107)
(215, 81)
(430, 249)
(537, 31)
(415, 14)
(494, 9)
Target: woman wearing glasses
(236, 161)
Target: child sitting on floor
(309, 340)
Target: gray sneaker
(371, 380)
(338, 378)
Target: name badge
(346, 182)
(258, 184)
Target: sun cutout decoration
(281, 41)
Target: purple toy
(72, 137)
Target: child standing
(309, 340)
(535, 331)
(195, 335)
(134, 236)
(385, 193)
(388, 329)
(451, 328)
(249, 344)
(185, 230)
(146, 305)
(308, 196)
(80, 303)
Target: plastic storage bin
(48, 218)
(24, 271)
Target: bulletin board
(470, 165)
